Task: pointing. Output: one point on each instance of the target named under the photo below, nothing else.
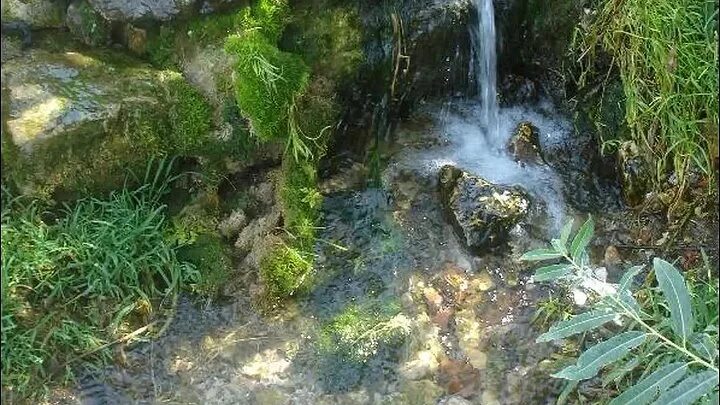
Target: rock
(87, 25)
(483, 282)
(443, 316)
(271, 395)
(135, 10)
(634, 176)
(232, 225)
(423, 365)
(481, 213)
(433, 299)
(489, 398)
(36, 13)
(477, 358)
(456, 400)
(422, 392)
(612, 256)
(524, 145)
(458, 377)
(70, 116)
(136, 39)
(257, 229)
(517, 90)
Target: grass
(78, 278)
(667, 54)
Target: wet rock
(433, 299)
(423, 365)
(36, 13)
(87, 25)
(483, 282)
(517, 90)
(634, 177)
(480, 212)
(456, 400)
(524, 145)
(443, 316)
(489, 397)
(257, 229)
(233, 224)
(458, 377)
(468, 331)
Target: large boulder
(134, 10)
(37, 14)
(480, 212)
(75, 120)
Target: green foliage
(76, 280)
(161, 49)
(268, 17)
(682, 368)
(667, 55)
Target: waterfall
(483, 38)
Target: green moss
(190, 116)
(359, 331)
(328, 37)
(266, 82)
(285, 271)
(267, 16)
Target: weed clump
(667, 56)
(82, 277)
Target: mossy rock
(36, 13)
(75, 121)
(87, 25)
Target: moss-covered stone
(285, 271)
(36, 13)
(76, 121)
(87, 25)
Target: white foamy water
(484, 42)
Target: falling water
(483, 36)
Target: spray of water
(484, 42)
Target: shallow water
(387, 247)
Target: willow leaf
(565, 232)
(603, 353)
(551, 272)
(627, 278)
(704, 345)
(582, 238)
(651, 386)
(577, 324)
(540, 254)
(676, 294)
(690, 389)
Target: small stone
(489, 398)
(433, 299)
(456, 400)
(443, 316)
(423, 365)
(233, 224)
(477, 358)
(483, 282)
(612, 256)
(524, 145)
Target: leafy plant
(678, 354)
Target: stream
(468, 335)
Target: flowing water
(466, 318)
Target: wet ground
(460, 325)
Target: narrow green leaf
(565, 232)
(540, 254)
(552, 272)
(650, 387)
(569, 388)
(677, 296)
(582, 238)
(577, 324)
(603, 353)
(627, 278)
(704, 345)
(690, 389)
